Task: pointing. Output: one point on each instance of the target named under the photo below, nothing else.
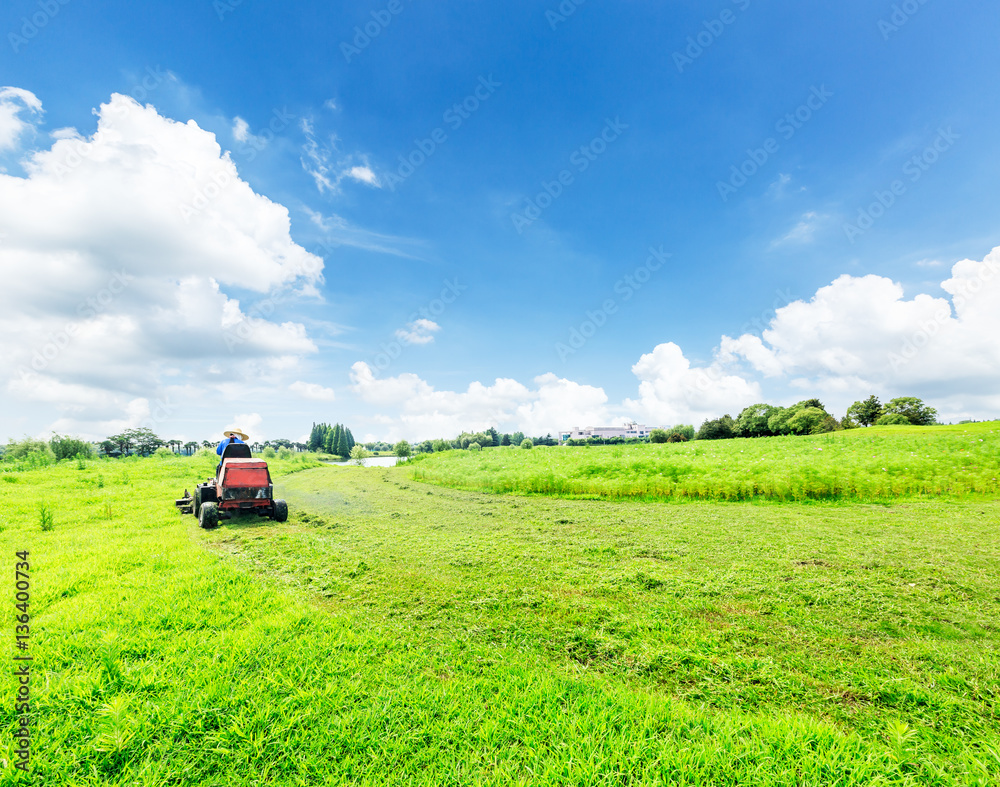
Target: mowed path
(849, 614)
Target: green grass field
(870, 465)
(396, 632)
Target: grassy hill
(871, 465)
(394, 632)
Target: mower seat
(233, 451)
(236, 451)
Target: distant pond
(373, 461)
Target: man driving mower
(231, 436)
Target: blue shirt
(227, 441)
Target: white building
(629, 430)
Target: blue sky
(772, 291)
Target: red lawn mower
(242, 484)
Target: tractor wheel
(209, 516)
(280, 511)
(197, 501)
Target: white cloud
(66, 133)
(243, 134)
(312, 391)
(249, 423)
(363, 175)
(419, 332)
(341, 232)
(672, 391)
(117, 251)
(804, 231)
(241, 130)
(15, 104)
(777, 188)
(328, 167)
(861, 334)
(752, 348)
(420, 411)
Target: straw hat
(238, 432)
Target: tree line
(141, 441)
(491, 438)
(811, 417)
(336, 439)
(758, 420)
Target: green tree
(441, 445)
(402, 449)
(801, 418)
(358, 455)
(517, 438)
(505, 440)
(681, 433)
(720, 429)
(753, 421)
(526, 443)
(913, 409)
(474, 446)
(893, 419)
(483, 438)
(22, 449)
(659, 436)
(806, 420)
(867, 412)
(145, 440)
(123, 441)
(69, 447)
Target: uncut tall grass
(865, 465)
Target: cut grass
(395, 633)
(868, 465)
